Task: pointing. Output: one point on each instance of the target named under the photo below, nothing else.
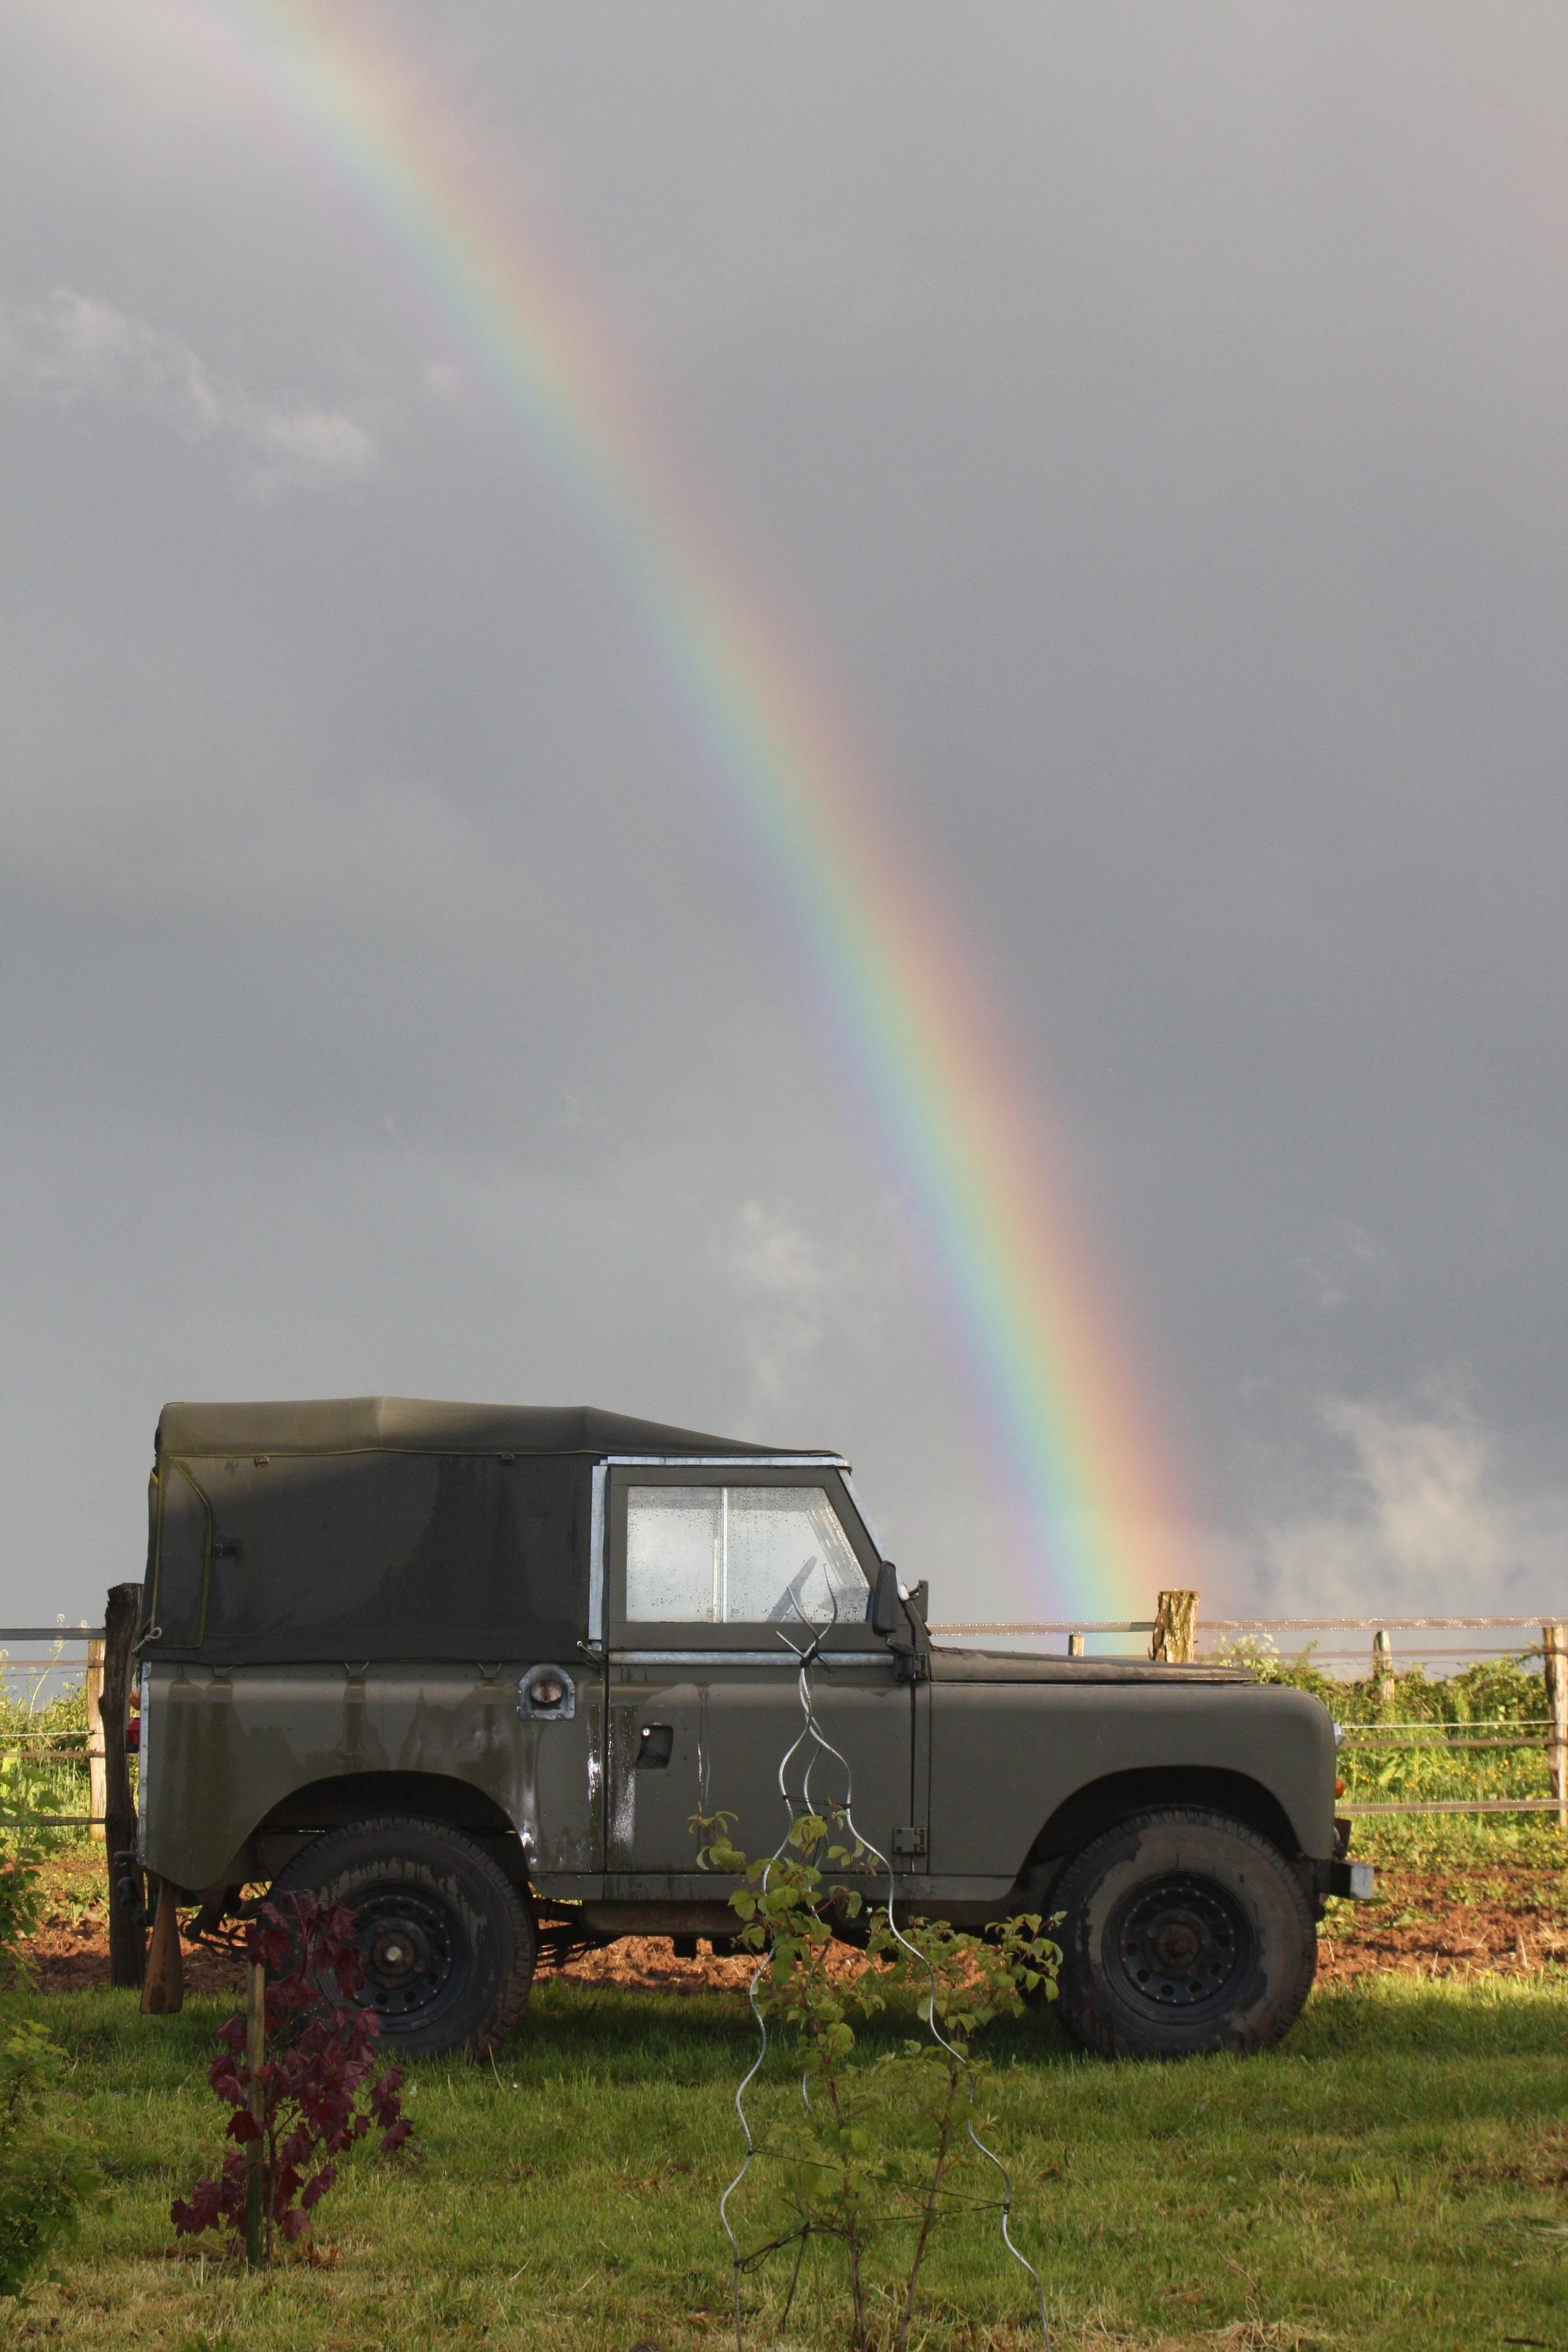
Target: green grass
(1446, 1843)
(1393, 2177)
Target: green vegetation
(43, 1757)
(29, 1718)
(866, 2157)
(1481, 1841)
(1421, 1742)
(36, 1781)
(44, 2174)
(1393, 2177)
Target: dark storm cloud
(1157, 415)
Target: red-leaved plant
(320, 2049)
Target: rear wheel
(446, 1939)
(1185, 1931)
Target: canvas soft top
(422, 1425)
(383, 1527)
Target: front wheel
(1185, 1932)
(446, 1939)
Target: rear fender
(233, 1754)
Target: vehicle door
(713, 1574)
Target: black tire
(1185, 1931)
(447, 1940)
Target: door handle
(656, 1745)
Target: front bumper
(1354, 1879)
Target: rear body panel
(227, 1749)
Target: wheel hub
(411, 1946)
(1179, 1943)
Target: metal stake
(255, 2149)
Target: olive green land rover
(472, 1669)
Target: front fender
(1007, 1756)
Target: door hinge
(909, 1841)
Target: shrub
(45, 1743)
(869, 2150)
(26, 1842)
(43, 2178)
(309, 2091)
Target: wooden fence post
(1074, 1645)
(1176, 1637)
(95, 1788)
(127, 1937)
(1554, 1661)
(1383, 1668)
(163, 1984)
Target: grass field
(1395, 2176)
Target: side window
(739, 1555)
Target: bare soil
(648, 1961)
(1505, 1919)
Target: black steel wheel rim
(1179, 1945)
(416, 1954)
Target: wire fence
(51, 1730)
(1486, 1735)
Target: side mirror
(886, 1613)
(900, 1619)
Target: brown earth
(1501, 1918)
(1505, 1919)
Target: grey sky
(1152, 420)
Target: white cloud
(1341, 1261)
(73, 348)
(785, 1281)
(1421, 1520)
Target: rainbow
(1088, 1496)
